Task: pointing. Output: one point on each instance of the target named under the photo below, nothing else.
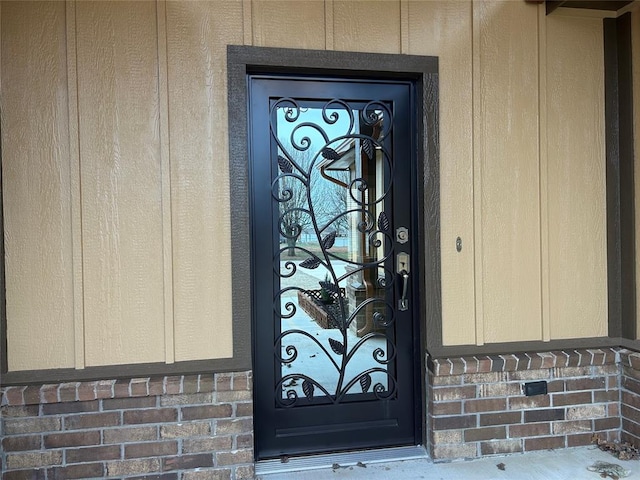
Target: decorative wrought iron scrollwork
(305, 144)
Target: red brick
(571, 426)
(87, 391)
(13, 395)
(21, 443)
(601, 396)
(245, 472)
(561, 358)
(156, 415)
(244, 409)
(470, 365)
(30, 474)
(68, 392)
(129, 403)
(92, 420)
(49, 394)
(190, 384)
(243, 441)
(223, 382)
(207, 411)
(86, 470)
(154, 449)
(485, 405)
(543, 443)
(93, 454)
(525, 403)
(502, 418)
(20, 411)
(214, 444)
(121, 389)
(234, 458)
(610, 423)
(207, 383)
(159, 476)
(573, 384)
(156, 386)
(458, 367)
(32, 395)
(535, 361)
(501, 447)
(209, 474)
(133, 434)
(173, 385)
(139, 387)
(228, 427)
(58, 440)
(70, 407)
(446, 408)
(104, 389)
(443, 394)
(544, 415)
(485, 433)
(453, 422)
(579, 439)
(487, 364)
(185, 462)
(242, 381)
(529, 430)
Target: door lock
(403, 267)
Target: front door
(336, 356)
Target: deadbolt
(402, 235)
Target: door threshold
(343, 459)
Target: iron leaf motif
(307, 388)
(336, 346)
(367, 148)
(383, 222)
(365, 382)
(330, 154)
(329, 286)
(285, 165)
(328, 241)
(310, 263)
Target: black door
(336, 357)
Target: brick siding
(476, 405)
(197, 427)
(630, 396)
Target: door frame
(244, 60)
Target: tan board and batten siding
(115, 163)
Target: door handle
(403, 304)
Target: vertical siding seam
(477, 170)
(543, 174)
(75, 185)
(328, 25)
(165, 175)
(404, 26)
(247, 21)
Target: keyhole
(459, 244)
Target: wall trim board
(620, 177)
(243, 60)
(116, 372)
(531, 346)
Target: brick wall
(630, 396)
(184, 427)
(477, 407)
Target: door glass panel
(333, 260)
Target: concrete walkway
(566, 464)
